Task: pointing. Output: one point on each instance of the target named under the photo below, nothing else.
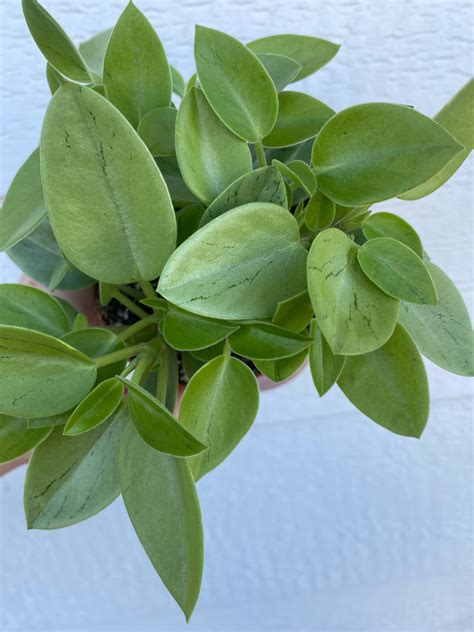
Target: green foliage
(228, 234)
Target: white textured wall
(321, 520)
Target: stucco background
(320, 520)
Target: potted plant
(226, 228)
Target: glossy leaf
(137, 77)
(282, 369)
(179, 87)
(355, 316)
(442, 332)
(320, 212)
(261, 185)
(376, 151)
(17, 439)
(85, 139)
(96, 408)
(70, 479)
(186, 331)
(96, 342)
(23, 208)
(39, 256)
(33, 363)
(161, 501)
(281, 69)
(209, 155)
(389, 225)
(54, 43)
(299, 173)
(26, 306)
(157, 130)
(219, 405)
(157, 426)
(389, 385)
(300, 117)
(324, 365)
(312, 53)
(245, 101)
(265, 341)
(456, 117)
(93, 51)
(239, 266)
(397, 270)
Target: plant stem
(144, 364)
(262, 159)
(121, 354)
(137, 327)
(162, 381)
(147, 288)
(129, 304)
(131, 291)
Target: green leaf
(25, 306)
(16, 438)
(219, 405)
(209, 155)
(137, 76)
(70, 311)
(320, 212)
(236, 84)
(54, 43)
(456, 117)
(70, 479)
(59, 273)
(93, 51)
(121, 227)
(186, 331)
(96, 342)
(40, 376)
(54, 78)
(325, 366)
(157, 426)
(376, 151)
(442, 332)
(39, 256)
(265, 341)
(389, 385)
(261, 185)
(188, 220)
(397, 270)
(96, 408)
(239, 266)
(157, 130)
(190, 364)
(355, 316)
(179, 192)
(312, 53)
(23, 208)
(282, 369)
(281, 69)
(300, 117)
(179, 87)
(209, 353)
(49, 422)
(161, 501)
(299, 173)
(389, 225)
(295, 313)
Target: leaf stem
(145, 362)
(147, 288)
(259, 150)
(129, 304)
(162, 381)
(137, 327)
(120, 354)
(131, 291)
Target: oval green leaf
(389, 225)
(300, 117)
(16, 438)
(295, 313)
(355, 316)
(179, 86)
(96, 408)
(70, 479)
(40, 376)
(442, 332)
(236, 84)
(157, 130)
(325, 366)
(188, 220)
(162, 503)
(376, 151)
(265, 341)
(282, 369)
(299, 172)
(320, 212)
(120, 228)
(95, 342)
(219, 405)
(261, 185)
(23, 208)
(186, 331)
(397, 270)
(25, 306)
(389, 385)
(281, 69)
(209, 155)
(54, 43)
(137, 76)
(239, 266)
(157, 426)
(93, 51)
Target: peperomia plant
(227, 225)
